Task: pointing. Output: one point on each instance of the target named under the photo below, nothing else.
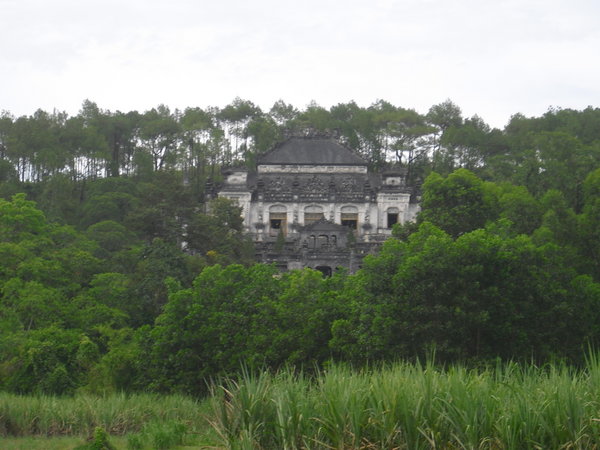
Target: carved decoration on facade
(349, 185)
(331, 184)
(315, 185)
(277, 184)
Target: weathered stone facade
(313, 203)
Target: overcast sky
(492, 58)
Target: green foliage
(234, 314)
(163, 206)
(502, 262)
(99, 441)
(42, 361)
(556, 150)
(20, 220)
(118, 368)
(219, 234)
(226, 213)
(111, 236)
(559, 219)
(165, 436)
(402, 231)
(155, 262)
(521, 208)
(479, 296)
(158, 436)
(458, 203)
(588, 221)
(82, 415)
(111, 206)
(418, 406)
(58, 199)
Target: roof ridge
(311, 150)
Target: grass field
(411, 406)
(131, 421)
(52, 443)
(75, 442)
(405, 406)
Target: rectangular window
(392, 219)
(350, 220)
(277, 223)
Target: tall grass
(80, 415)
(413, 406)
(406, 406)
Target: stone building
(312, 202)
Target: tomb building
(312, 202)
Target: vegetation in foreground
(121, 421)
(402, 405)
(413, 406)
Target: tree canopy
(115, 274)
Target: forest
(114, 278)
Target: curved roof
(310, 151)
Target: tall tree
(465, 144)
(158, 132)
(236, 117)
(283, 113)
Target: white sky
(493, 58)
